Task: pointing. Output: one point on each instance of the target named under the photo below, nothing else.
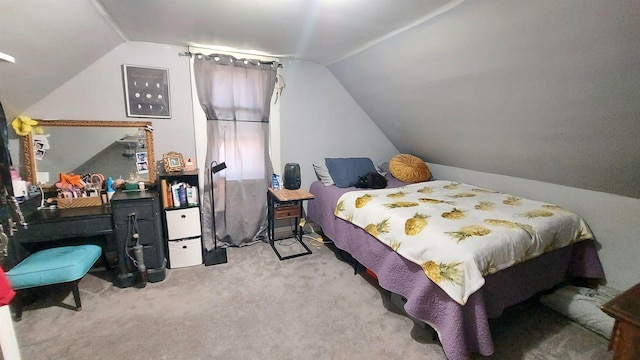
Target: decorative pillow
(346, 172)
(409, 168)
(322, 173)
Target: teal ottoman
(67, 264)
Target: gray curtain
(235, 95)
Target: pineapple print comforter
(460, 233)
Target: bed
(461, 323)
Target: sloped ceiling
(316, 30)
(544, 90)
(53, 41)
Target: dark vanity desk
(47, 225)
(106, 226)
(46, 228)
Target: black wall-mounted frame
(146, 91)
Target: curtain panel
(234, 89)
(235, 95)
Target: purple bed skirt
(461, 329)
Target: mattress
(459, 233)
(462, 329)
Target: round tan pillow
(409, 168)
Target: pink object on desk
(190, 165)
(6, 292)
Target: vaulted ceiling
(54, 40)
(545, 90)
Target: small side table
(625, 337)
(286, 204)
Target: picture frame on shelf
(146, 91)
(173, 162)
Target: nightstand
(625, 337)
(286, 204)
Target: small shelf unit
(181, 218)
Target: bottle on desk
(110, 188)
(192, 195)
(274, 182)
(182, 195)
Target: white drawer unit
(183, 253)
(183, 223)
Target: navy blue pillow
(345, 172)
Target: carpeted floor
(256, 307)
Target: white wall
(319, 119)
(97, 93)
(544, 90)
(612, 218)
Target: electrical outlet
(302, 222)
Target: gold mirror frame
(29, 153)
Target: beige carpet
(256, 307)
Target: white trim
(7, 57)
(200, 131)
(8, 342)
(105, 14)
(444, 8)
(275, 152)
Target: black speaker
(292, 176)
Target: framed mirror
(119, 149)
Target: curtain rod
(191, 54)
(238, 120)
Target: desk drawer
(66, 228)
(142, 211)
(153, 257)
(183, 223)
(287, 211)
(147, 234)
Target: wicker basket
(64, 203)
